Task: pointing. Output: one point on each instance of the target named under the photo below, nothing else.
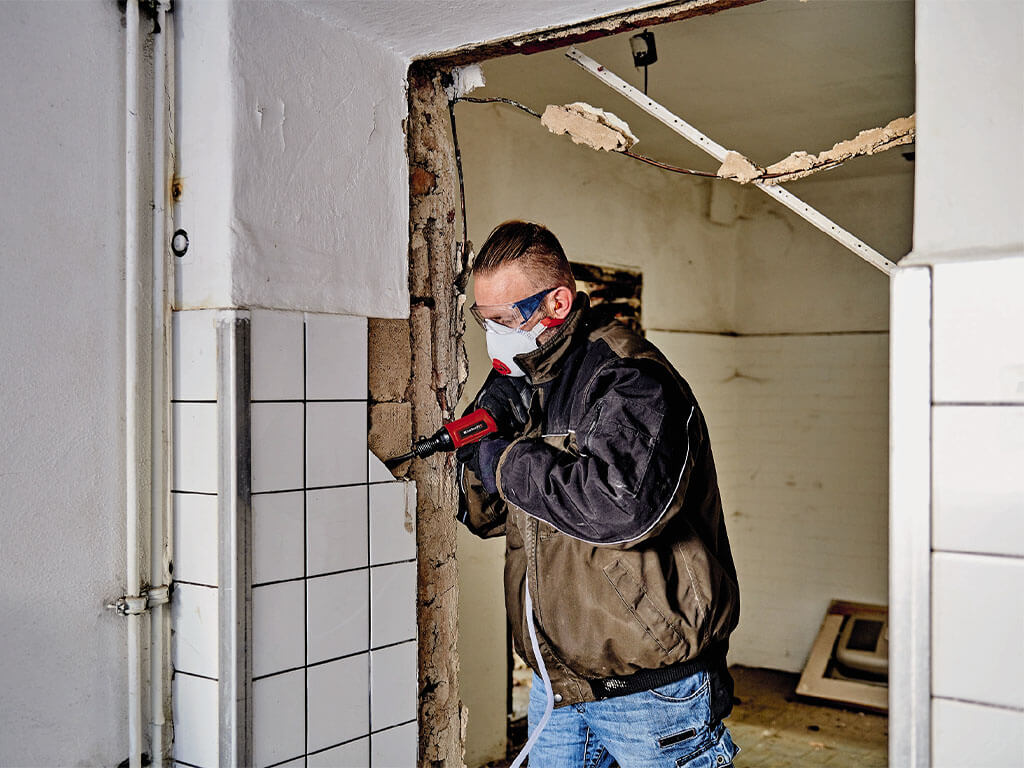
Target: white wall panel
(979, 331)
(965, 734)
(977, 479)
(978, 628)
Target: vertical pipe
(160, 501)
(131, 370)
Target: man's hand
(507, 399)
(482, 457)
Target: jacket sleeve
(637, 440)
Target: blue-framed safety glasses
(512, 315)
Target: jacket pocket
(641, 606)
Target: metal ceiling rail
(687, 131)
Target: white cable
(550, 705)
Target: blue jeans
(663, 727)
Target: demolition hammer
(470, 428)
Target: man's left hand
(482, 457)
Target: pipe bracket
(133, 605)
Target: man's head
(519, 260)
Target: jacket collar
(544, 363)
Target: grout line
(298, 400)
(369, 620)
(178, 582)
(325, 661)
(982, 404)
(321, 575)
(340, 744)
(392, 727)
(194, 493)
(203, 402)
(305, 547)
(194, 674)
(285, 761)
(975, 702)
(313, 487)
(969, 553)
(176, 761)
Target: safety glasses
(512, 315)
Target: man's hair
(533, 247)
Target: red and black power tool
(470, 428)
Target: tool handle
(470, 428)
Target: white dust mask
(504, 343)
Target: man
(619, 581)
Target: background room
(781, 331)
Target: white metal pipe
(717, 151)
(131, 373)
(159, 433)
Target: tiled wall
(799, 427)
(333, 569)
(977, 540)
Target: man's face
(503, 286)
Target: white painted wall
(61, 444)
(292, 155)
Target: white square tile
(194, 355)
(379, 473)
(194, 620)
(195, 538)
(393, 685)
(338, 705)
(355, 754)
(277, 537)
(276, 446)
(977, 494)
(196, 720)
(335, 444)
(392, 522)
(977, 319)
(276, 355)
(336, 529)
(971, 592)
(952, 719)
(278, 717)
(278, 618)
(335, 357)
(338, 620)
(395, 747)
(195, 447)
(392, 604)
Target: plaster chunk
(902, 130)
(739, 168)
(589, 126)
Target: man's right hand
(507, 399)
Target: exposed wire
(458, 167)
(641, 158)
(666, 166)
(502, 100)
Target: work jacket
(609, 503)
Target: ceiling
(763, 79)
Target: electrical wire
(501, 99)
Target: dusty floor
(776, 730)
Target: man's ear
(561, 302)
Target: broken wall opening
(760, 315)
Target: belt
(646, 679)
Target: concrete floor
(776, 730)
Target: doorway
(782, 334)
